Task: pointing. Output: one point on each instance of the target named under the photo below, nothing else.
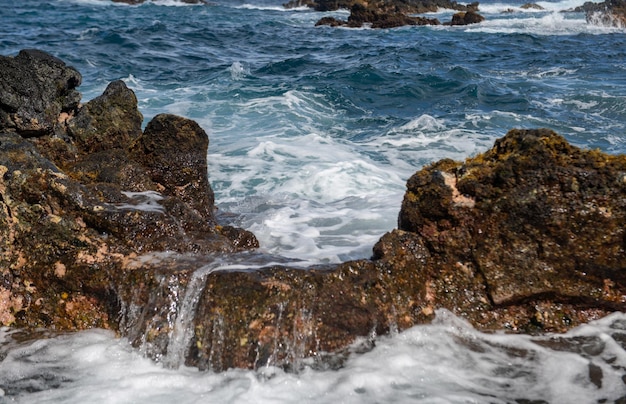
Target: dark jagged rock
(102, 225)
(89, 192)
(385, 6)
(108, 122)
(609, 12)
(361, 15)
(466, 18)
(36, 88)
(531, 6)
(385, 14)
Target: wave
(447, 361)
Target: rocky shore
(390, 13)
(609, 12)
(103, 224)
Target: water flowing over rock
(105, 225)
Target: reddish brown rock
(79, 200)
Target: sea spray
(445, 362)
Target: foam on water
(446, 362)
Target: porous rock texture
(105, 225)
(84, 191)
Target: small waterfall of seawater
(160, 319)
(182, 327)
(161, 325)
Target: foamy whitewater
(313, 134)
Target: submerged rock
(105, 225)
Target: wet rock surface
(105, 225)
(87, 192)
(609, 12)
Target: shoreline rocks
(608, 13)
(390, 14)
(105, 225)
(85, 191)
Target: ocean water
(313, 133)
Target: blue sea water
(313, 133)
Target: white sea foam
(313, 197)
(446, 362)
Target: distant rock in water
(384, 6)
(396, 14)
(466, 18)
(607, 13)
(531, 6)
(105, 225)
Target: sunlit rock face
(103, 224)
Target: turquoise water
(313, 134)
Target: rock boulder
(36, 88)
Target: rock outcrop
(608, 13)
(466, 18)
(361, 15)
(105, 225)
(384, 6)
(390, 14)
(84, 190)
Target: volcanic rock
(35, 89)
(361, 15)
(105, 225)
(84, 191)
(386, 14)
(527, 237)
